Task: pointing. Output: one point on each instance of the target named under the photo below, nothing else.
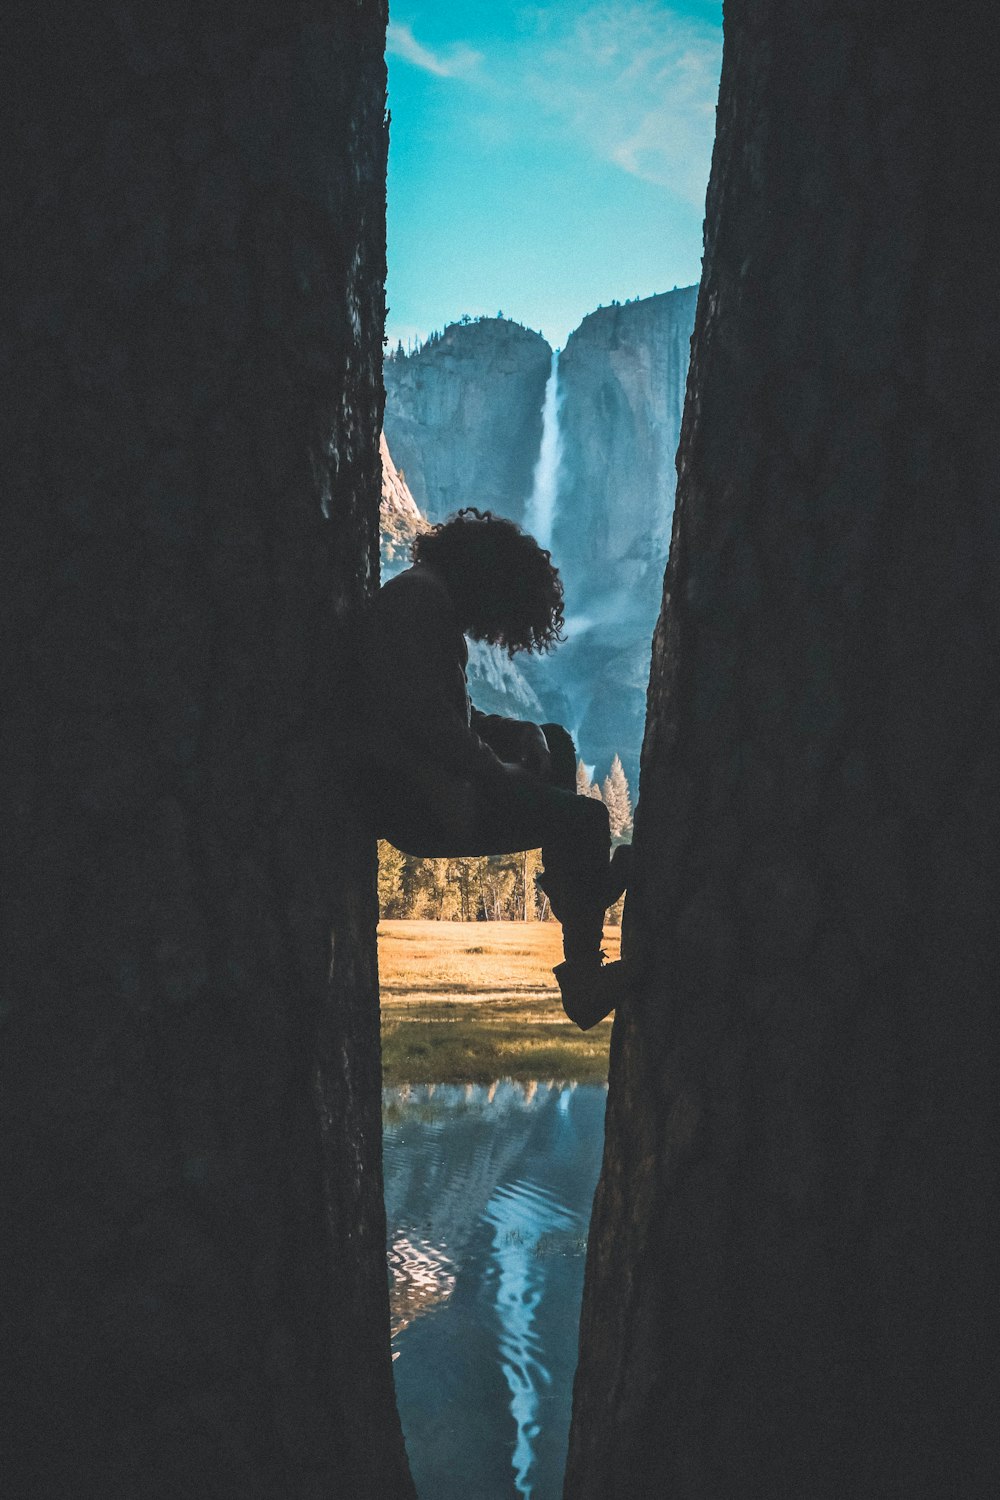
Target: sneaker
(590, 990)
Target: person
(446, 781)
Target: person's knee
(597, 813)
(562, 752)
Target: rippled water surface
(488, 1193)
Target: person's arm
(518, 742)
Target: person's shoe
(590, 990)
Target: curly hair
(505, 587)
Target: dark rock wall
(790, 1266)
(195, 1294)
(622, 378)
(464, 417)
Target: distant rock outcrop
(464, 419)
(463, 416)
(399, 516)
(622, 375)
(793, 1251)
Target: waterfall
(540, 511)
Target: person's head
(503, 584)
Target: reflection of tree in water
(522, 1215)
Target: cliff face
(622, 376)
(496, 683)
(792, 1254)
(464, 420)
(463, 416)
(399, 517)
(195, 1299)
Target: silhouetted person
(447, 781)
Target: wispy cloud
(638, 83)
(457, 61)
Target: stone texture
(463, 416)
(400, 519)
(789, 1283)
(195, 1293)
(622, 375)
(464, 422)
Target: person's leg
(577, 877)
(581, 885)
(454, 820)
(417, 812)
(431, 814)
(562, 753)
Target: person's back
(417, 700)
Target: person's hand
(534, 752)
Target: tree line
(415, 346)
(494, 887)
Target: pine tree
(585, 786)
(391, 895)
(618, 802)
(531, 865)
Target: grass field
(476, 1001)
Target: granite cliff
(463, 416)
(497, 684)
(464, 419)
(399, 516)
(622, 377)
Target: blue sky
(545, 159)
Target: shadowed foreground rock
(195, 1298)
(789, 1282)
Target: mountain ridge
(464, 420)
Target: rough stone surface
(622, 377)
(195, 1297)
(463, 416)
(400, 519)
(789, 1283)
(464, 422)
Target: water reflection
(488, 1193)
(420, 1276)
(521, 1214)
